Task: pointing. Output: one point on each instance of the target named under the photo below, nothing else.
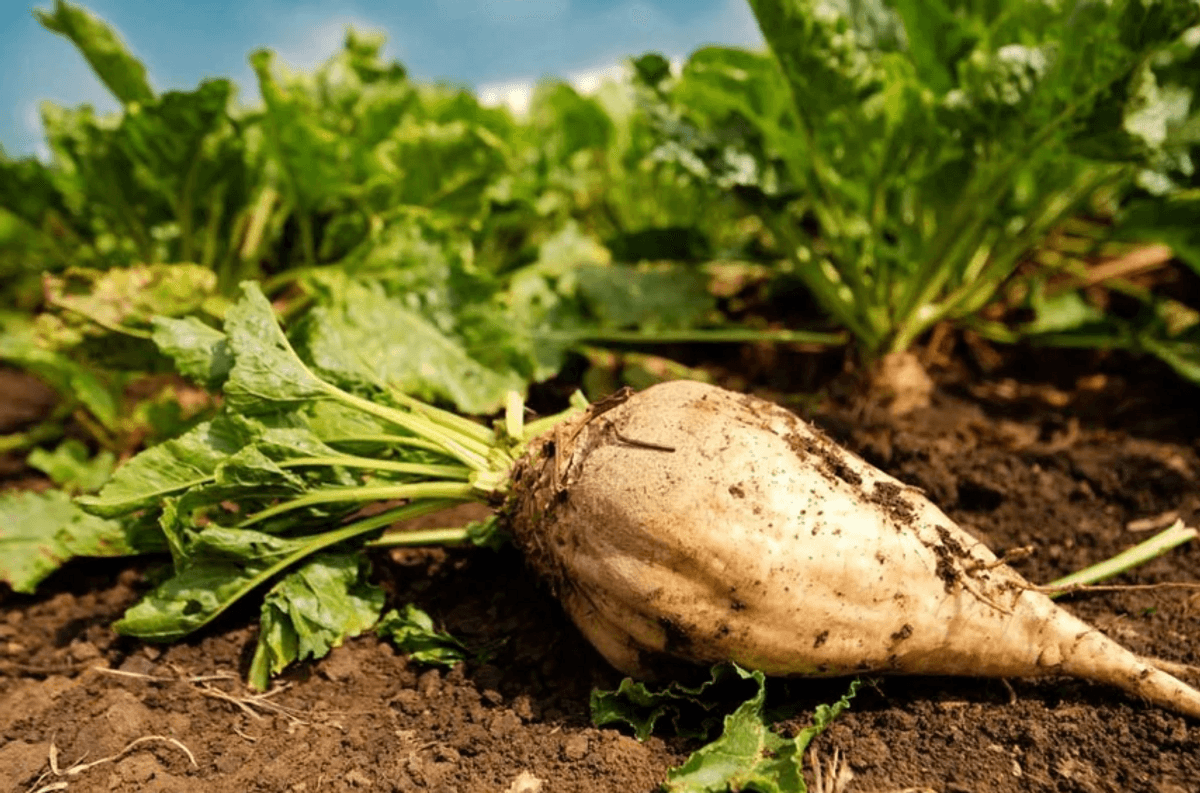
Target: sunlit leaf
(365, 336)
(117, 68)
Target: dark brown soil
(1070, 454)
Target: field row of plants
(247, 312)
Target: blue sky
(484, 44)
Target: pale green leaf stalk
(1171, 537)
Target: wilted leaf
(747, 756)
(694, 711)
(127, 298)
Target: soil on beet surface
(1075, 455)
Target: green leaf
(312, 610)
(829, 53)
(750, 756)
(39, 532)
(285, 441)
(649, 298)
(444, 166)
(70, 467)
(937, 39)
(122, 216)
(267, 375)
(1162, 326)
(1064, 311)
(1182, 355)
(168, 468)
(488, 533)
(747, 755)
(566, 122)
(101, 47)
(173, 181)
(200, 352)
(1167, 219)
(976, 129)
(412, 632)
(250, 469)
(823, 716)
(333, 420)
(218, 567)
(651, 68)
(167, 137)
(311, 157)
(366, 337)
(30, 191)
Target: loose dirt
(1076, 455)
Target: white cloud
(517, 94)
(32, 136)
(514, 94)
(732, 24)
(588, 81)
(31, 119)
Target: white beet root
(710, 526)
